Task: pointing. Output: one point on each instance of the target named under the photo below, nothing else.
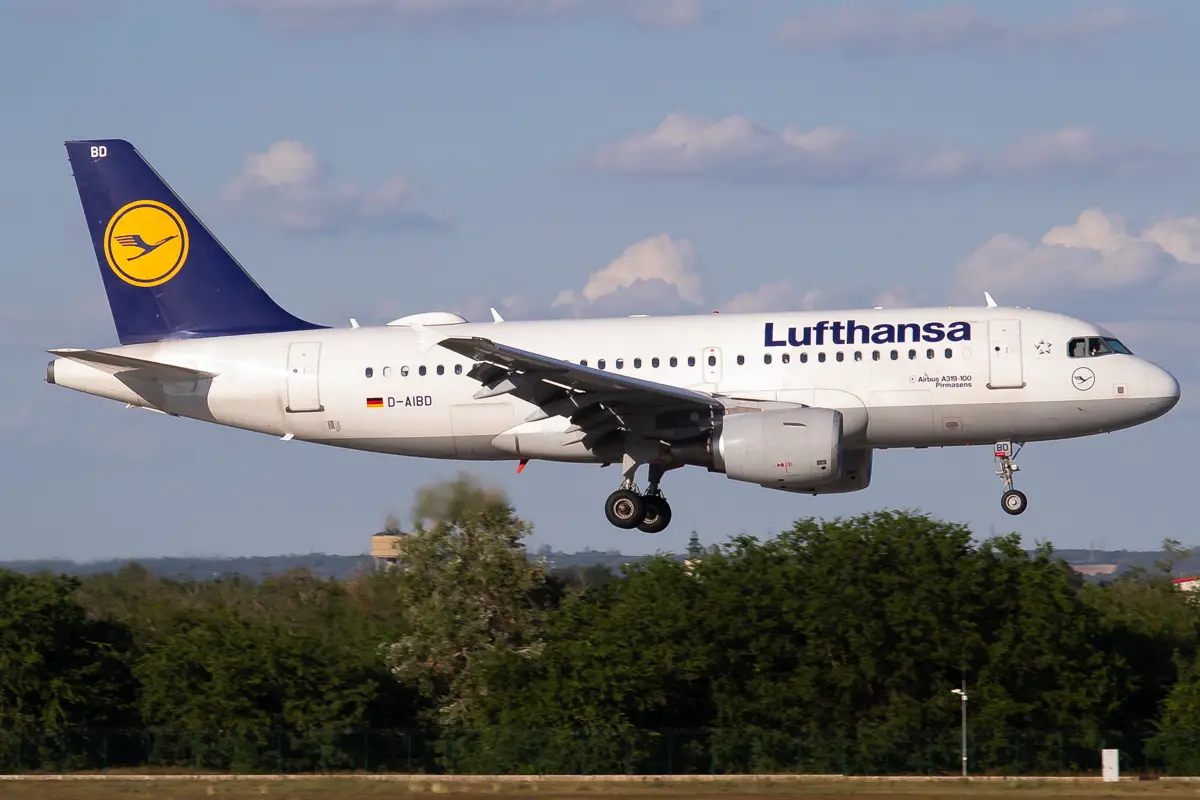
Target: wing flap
(566, 375)
(595, 401)
(115, 364)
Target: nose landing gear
(1012, 501)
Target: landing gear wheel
(1013, 501)
(657, 516)
(625, 509)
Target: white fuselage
(1012, 380)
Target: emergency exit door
(1004, 354)
(303, 377)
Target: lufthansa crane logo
(146, 243)
(1083, 379)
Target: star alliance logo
(1043, 348)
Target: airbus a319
(797, 402)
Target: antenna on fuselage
(990, 302)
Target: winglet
(990, 302)
(496, 316)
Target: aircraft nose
(1162, 385)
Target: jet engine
(856, 474)
(792, 449)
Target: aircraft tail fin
(165, 274)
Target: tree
(471, 592)
(58, 668)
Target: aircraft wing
(116, 364)
(596, 401)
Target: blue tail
(166, 275)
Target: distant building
(695, 552)
(1188, 584)
(1095, 569)
(385, 548)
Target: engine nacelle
(793, 449)
(856, 474)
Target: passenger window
(654, 362)
(583, 362)
(804, 358)
(600, 364)
(637, 363)
(858, 355)
(370, 372)
(929, 353)
(786, 358)
(895, 355)
(404, 372)
(949, 353)
(821, 356)
(674, 362)
(421, 370)
(387, 372)
(441, 370)
(691, 361)
(741, 360)
(620, 363)
(874, 355)
(840, 356)
(712, 361)
(766, 358)
(458, 369)
(912, 354)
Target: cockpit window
(1093, 346)
(1118, 347)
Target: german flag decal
(374, 402)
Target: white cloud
(876, 29)
(1095, 254)
(333, 15)
(289, 188)
(782, 296)
(737, 148)
(655, 273)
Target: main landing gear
(1012, 501)
(627, 508)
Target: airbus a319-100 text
(795, 402)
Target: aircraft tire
(657, 516)
(1013, 502)
(625, 509)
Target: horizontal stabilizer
(114, 363)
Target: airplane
(796, 402)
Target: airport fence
(575, 752)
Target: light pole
(963, 694)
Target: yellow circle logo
(146, 243)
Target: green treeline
(832, 647)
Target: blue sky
(585, 157)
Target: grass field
(568, 789)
